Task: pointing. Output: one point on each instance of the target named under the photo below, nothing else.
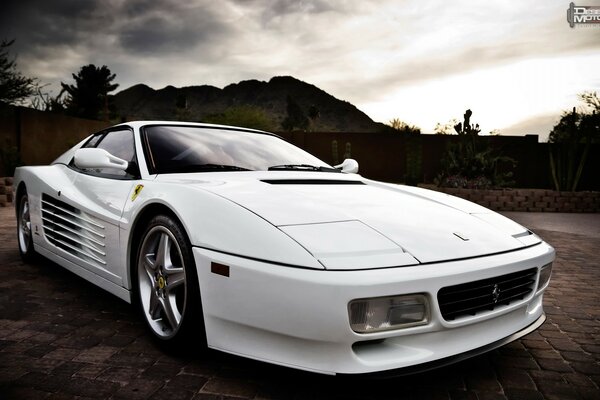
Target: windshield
(174, 149)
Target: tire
(166, 283)
(24, 233)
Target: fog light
(545, 274)
(386, 313)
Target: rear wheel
(24, 233)
(167, 283)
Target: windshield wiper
(201, 168)
(302, 167)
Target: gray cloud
(167, 32)
(358, 50)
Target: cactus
(348, 153)
(414, 160)
(334, 152)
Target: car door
(101, 197)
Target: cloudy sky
(516, 64)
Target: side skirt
(110, 287)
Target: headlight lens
(386, 313)
(545, 274)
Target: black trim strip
(359, 269)
(259, 259)
(311, 182)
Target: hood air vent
(311, 182)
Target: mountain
(201, 103)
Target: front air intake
(471, 298)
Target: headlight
(386, 313)
(545, 273)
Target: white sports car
(236, 239)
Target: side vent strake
(73, 231)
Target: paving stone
(537, 344)
(576, 356)
(591, 348)
(91, 388)
(523, 394)
(554, 365)
(577, 379)
(454, 395)
(564, 345)
(546, 354)
(121, 375)
(161, 371)
(138, 389)
(96, 354)
(172, 393)
(40, 350)
(588, 368)
(186, 381)
(67, 369)
(515, 379)
(558, 391)
(230, 387)
(118, 341)
(63, 353)
(131, 360)
(9, 374)
(485, 395)
(20, 392)
(589, 393)
(90, 371)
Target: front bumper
(299, 317)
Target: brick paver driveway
(61, 337)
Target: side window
(119, 144)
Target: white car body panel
(249, 312)
(299, 253)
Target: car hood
(348, 222)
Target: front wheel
(167, 283)
(24, 234)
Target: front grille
(73, 231)
(468, 299)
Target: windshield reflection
(183, 148)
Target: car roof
(141, 123)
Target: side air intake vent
(73, 231)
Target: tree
(313, 116)
(14, 86)
(402, 127)
(295, 116)
(570, 141)
(88, 98)
(44, 101)
(447, 128)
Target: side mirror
(349, 166)
(94, 158)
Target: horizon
(517, 71)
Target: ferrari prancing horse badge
(136, 191)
